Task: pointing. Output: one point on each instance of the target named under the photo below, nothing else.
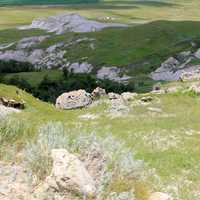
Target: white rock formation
(74, 99)
(69, 23)
(69, 174)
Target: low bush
(115, 170)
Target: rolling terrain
(140, 142)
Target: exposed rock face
(74, 99)
(30, 41)
(112, 73)
(69, 174)
(17, 55)
(178, 68)
(98, 92)
(160, 196)
(80, 68)
(69, 23)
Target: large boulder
(69, 174)
(74, 99)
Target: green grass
(167, 142)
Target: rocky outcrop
(112, 73)
(80, 67)
(178, 68)
(74, 99)
(159, 196)
(69, 174)
(30, 41)
(69, 23)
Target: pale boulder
(69, 174)
(74, 99)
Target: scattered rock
(128, 96)
(98, 92)
(89, 116)
(69, 174)
(118, 105)
(173, 89)
(146, 99)
(12, 103)
(113, 95)
(152, 109)
(74, 99)
(160, 196)
(69, 23)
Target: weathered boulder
(74, 99)
(159, 196)
(98, 92)
(69, 174)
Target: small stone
(160, 196)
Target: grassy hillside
(121, 11)
(138, 50)
(167, 140)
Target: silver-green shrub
(105, 157)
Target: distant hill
(44, 2)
